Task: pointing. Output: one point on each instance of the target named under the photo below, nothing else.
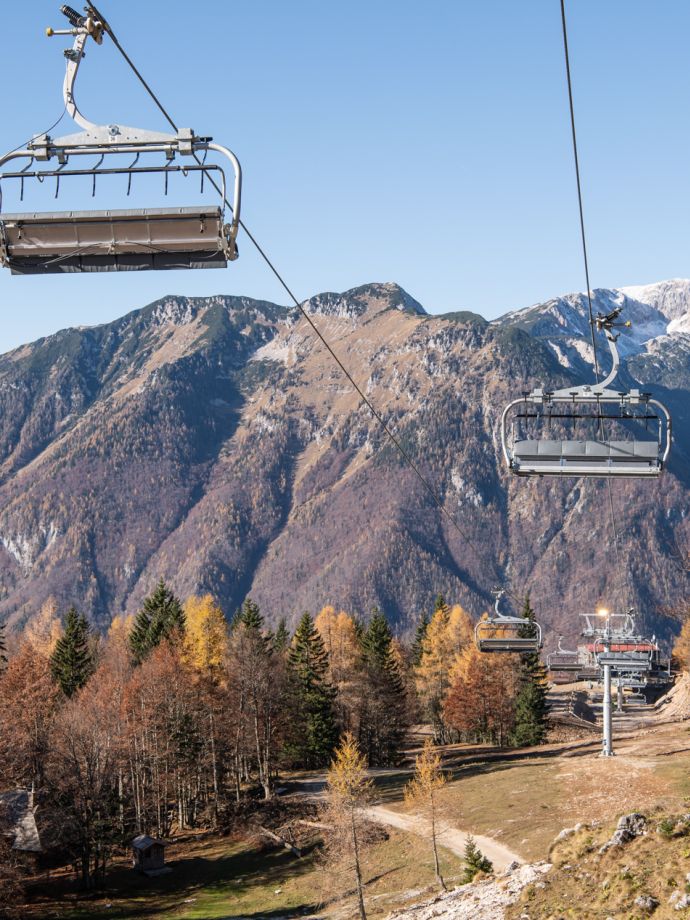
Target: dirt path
(450, 837)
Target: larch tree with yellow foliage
(206, 635)
(348, 790)
(345, 664)
(422, 794)
(44, 630)
(681, 647)
(449, 632)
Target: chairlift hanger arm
(99, 140)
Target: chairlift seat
(118, 240)
(502, 634)
(563, 662)
(634, 457)
(507, 644)
(625, 661)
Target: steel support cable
(586, 261)
(363, 397)
(579, 189)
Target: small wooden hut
(148, 855)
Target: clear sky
(423, 143)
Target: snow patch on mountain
(672, 297)
(659, 316)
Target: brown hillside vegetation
(213, 443)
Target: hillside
(213, 442)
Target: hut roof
(143, 842)
(17, 820)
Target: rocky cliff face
(214, 443)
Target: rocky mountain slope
(214, 443)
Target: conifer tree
(250, 616)
(475, 861)
(281, 638)
(419, 636)
(315, 734)
(3, 647)
(72, 661)
(440, 604)
(531, 706)
(161, 617)
(384, 719)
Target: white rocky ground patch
(485, 899)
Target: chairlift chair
(116, 240)
(500, 633)
(563, 659)
(600, 455)
(627, 662)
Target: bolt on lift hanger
(116, 240)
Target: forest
(180, 716)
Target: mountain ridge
(213, 442)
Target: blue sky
(426, 144)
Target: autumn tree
(43, 630)
(72, 661)
(480, 703)
(205, 642)
(205, 648)
(348, 790)
(422, 793)
(449, 632)
(384, 717)
(165, 742)
(531, 705)
(343, 643)
(29, 704)
(83, 776)
(161, 616)
(681, 647)
(257, 680)
(314, 730)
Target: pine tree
(531, 706)
(475, 861)
(384, 719)
(281, 638)
(419, 636)
(440, 604)
(161, 617)
(315, 733)
(72, 661)
(249, 615)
